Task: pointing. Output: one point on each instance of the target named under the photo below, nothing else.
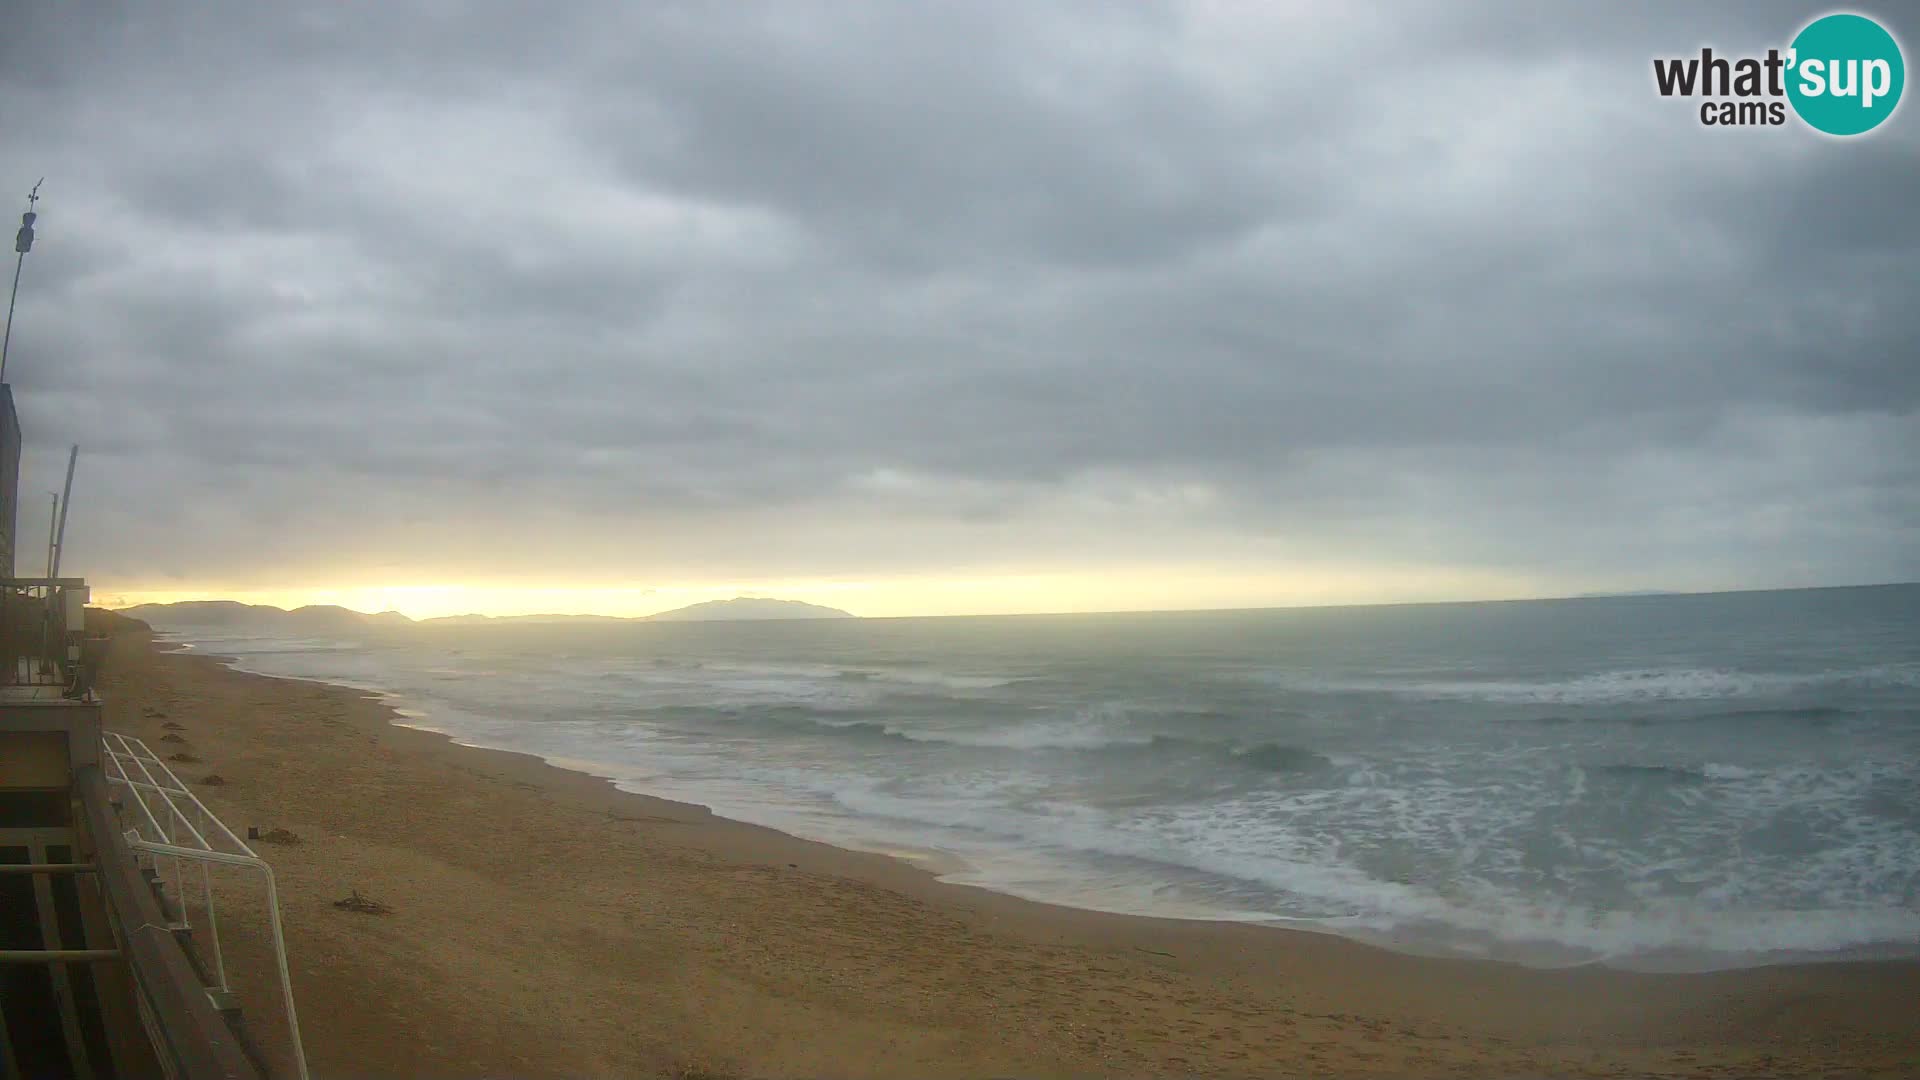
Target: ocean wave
(1310, 886)
(1064, 735)
(1669, 773)
(1681, 774)
(862, 729)
(1627, 686)
(1814, 716)
(1271, 757)
(945, 680)
(1279, 757)
(817, 672)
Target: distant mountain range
(738, 609)
(749, 607)
(317, 618)
(328, 618)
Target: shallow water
(1677, 782)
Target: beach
(544, 923)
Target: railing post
(213, 931)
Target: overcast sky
(949, 307)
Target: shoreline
(833, 952)
(945, 866)
(920, 861)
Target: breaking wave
(1643, 685)
(1273, 757)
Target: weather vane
(23, 240)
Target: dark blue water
(1689, 781)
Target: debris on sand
(365, 905)
(700, 1071)
(214, 780)
(184, 758)
(171, 726)
(278, 836)
(171, 738)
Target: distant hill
(111, 623)
(204, 612)
(315, 618)
(749, 608)
(332, 619)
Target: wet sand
(545, 924)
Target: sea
(1685, 782)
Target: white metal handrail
(167, 808)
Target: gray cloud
(666, 291)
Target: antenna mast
(22, 243)
(66, 503)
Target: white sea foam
(1615, 687)
(1046, 735)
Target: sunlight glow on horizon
(1128, 589)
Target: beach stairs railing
(169, 829)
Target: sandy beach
(545, 924)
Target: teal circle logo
(1845, 74)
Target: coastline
(549, 923)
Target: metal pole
(53, 519)
(55, 956)
(66, 503)
(22, 244)
(8, 339)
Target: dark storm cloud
(648, 290)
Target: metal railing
(169, 822)
(188, 1038)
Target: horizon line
(1629, 594)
